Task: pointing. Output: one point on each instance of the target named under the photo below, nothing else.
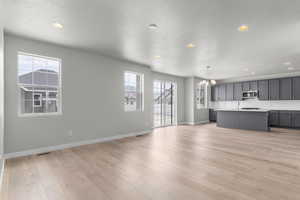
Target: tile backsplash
(270, 105)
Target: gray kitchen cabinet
(212, 115)
(229, 92)
(263, 90)
(237, 91)
(253, 85)
(296, 88)
(212, 93)
(285, 89)
(222, 92)
(274, 89)
(246, 86)
(216, 92)
(285, 119)
(296, 119)
(243, 120)
(274, 118)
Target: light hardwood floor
(185, 162)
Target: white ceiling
(119, 28)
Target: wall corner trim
(70, 145)
(2, 173)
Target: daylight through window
(133, 85)
(39, 81)
(201, 94)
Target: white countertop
(242, 110)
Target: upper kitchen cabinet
(229, 92)
(246, 86)
(212, 93)
(237, 91)
(216, 93)
(222, 92)
(263, 90)
(253, 85)
(274, 89)
(296, 88)
(285, 89)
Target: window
(134, 89)
(201, 94)
(39, 84)
(37, 100)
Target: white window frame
(163, 82)
(141, 109)
(40, 100)
(59, 88)
(200, 106)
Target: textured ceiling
(119, 28)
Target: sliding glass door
(164, 105)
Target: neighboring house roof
(40, 77)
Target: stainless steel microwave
(253, 94)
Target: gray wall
(98, 112)
(1, 94)
(180, 92)
(192, 114)
(189, 100)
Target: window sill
(40, 115)
(133, 111)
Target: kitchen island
(243, 119)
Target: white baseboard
(70, 145)
(184, 123)
(195, 123)
(202, 122)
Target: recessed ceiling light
(291, 68)
(190, 45)
(156, 56)
(213, 82)
(243, 28)
(153, 26)
(57, 25)
(287, 63)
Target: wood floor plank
(183, 162)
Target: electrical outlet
(70, 133)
